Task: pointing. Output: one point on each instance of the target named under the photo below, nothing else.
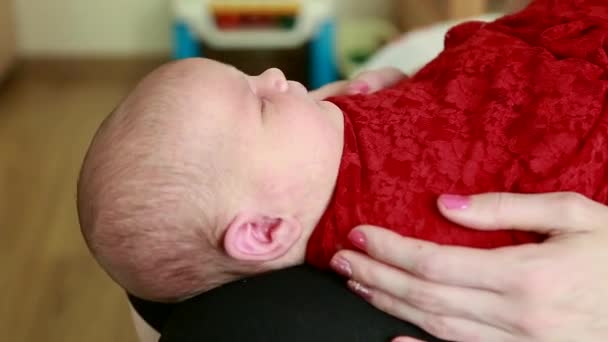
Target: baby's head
(203, 175)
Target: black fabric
(155, 314)
(296, 304)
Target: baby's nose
(273, 80)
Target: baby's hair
(142, 201)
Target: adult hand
(373, 80)
(553, 291)
(366, 82)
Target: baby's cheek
(309, 124)
(316, 128)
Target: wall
(117, 27)
(7, 38)
(92, 27)
(382, 8)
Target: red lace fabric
(516, 105)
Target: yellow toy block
(270, 7)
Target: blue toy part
(185, 43)
(323, 67)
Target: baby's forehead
(190, 82)
(210, 82)
(180, 78)
(214, 71)
(218, 87)
(186, 101)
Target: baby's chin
(328, 107)
(334, 111)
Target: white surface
(118, 27)
(416, 48)
(313, 14)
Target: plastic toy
(261, 24)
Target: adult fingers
(442, 326)
(406, 339)
(550, 213)
(462, 302)
(374, 80)
(448, 265)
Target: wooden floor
(50, 288)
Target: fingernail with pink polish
(358, 239)
(358, 87)
(341, 266)
(406, 339)
(359, 289)
(455, 202)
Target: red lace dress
(516, 105)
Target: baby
(205, 175)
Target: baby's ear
(256, 237)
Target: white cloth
(414, 49)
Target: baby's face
(272, 132)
